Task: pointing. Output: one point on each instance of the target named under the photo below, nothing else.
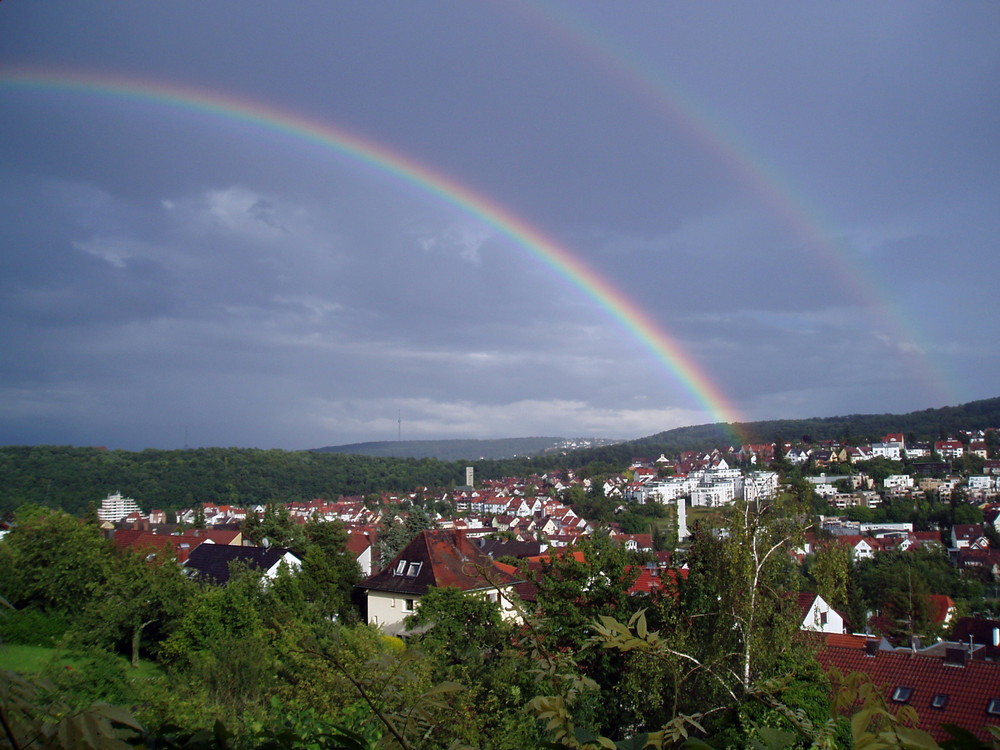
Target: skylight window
(940, 700)
(902, 694)
(993, 707)
(413, 570)
(401, 568)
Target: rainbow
(747, 167)
(546, 251)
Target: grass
(33, 660)
(30, 660)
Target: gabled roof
(211, 561)
(358, 542)
(969, 688)
(439, 558)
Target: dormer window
(939, 701)
(902, 694)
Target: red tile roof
(180, 544)
(439, 558)
(969, 688)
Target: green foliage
(831, 573)
(69, 478)
(329, 571)
(32, 713)
(233, 614)
(140, 598)
(467, 642)
(873, 725)
(576, 586)
(33, 627)
(56, 561)
(900, 582)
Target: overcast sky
(802, 197)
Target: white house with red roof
(949, 448)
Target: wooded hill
(71, 478)
(463, 450)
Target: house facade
(435, 559)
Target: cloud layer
(802, 197)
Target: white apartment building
(714, 495)
(898, 481)
(892, 451)
(115, 507)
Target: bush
(31, 627)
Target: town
(894, 547)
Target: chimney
(871, 647)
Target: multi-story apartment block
(115, 507)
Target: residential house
(891, 451)
(968, 536)
(179, 545)
(978, 448)
(818, 616)
(859, 454)
(634, 542)
(360, 545)
(948, 689)
(949, 448)
(434, 559)
(213, 562)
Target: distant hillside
(924, 425)
(854, 429)
(468, 450)
(523, 454)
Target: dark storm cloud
(802, 196)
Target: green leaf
(635, 742)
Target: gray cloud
(802, 198)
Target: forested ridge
(73, 477)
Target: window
(993, 707)
(408, 605)
(940, 700)
(411, 572)
(902, 694)
(401, 567)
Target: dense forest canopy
(72, 477)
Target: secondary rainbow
(747, 166)
(541, 248)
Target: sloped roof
(358, 542)
(439, 558)
(969, 688)
(180, 544)
(211, 561)
(507, 547)
(940, 607)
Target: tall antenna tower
(399, 425)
